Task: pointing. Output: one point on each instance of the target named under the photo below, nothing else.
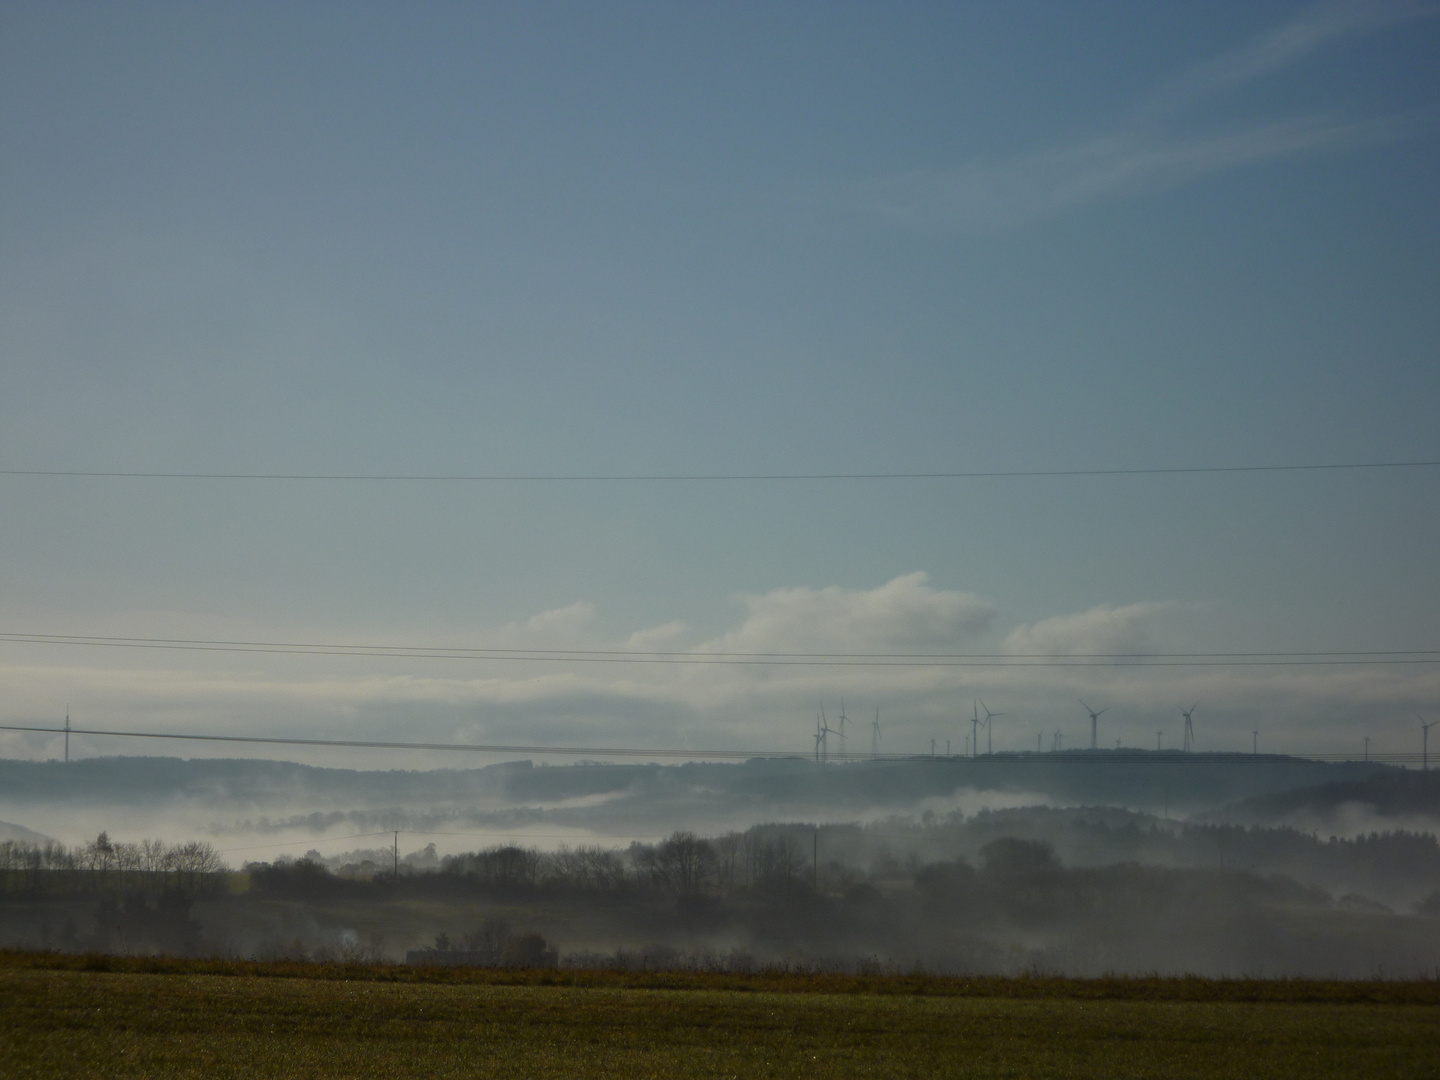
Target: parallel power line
(1241, 658)
(624, 478)
(1068, 757)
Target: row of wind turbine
(823, 731)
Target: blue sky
(633, 239)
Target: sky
(626, 240)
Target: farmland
(69, 1016)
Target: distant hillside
(158, 780)
(20, 834)
(619, 798)
(1387, 799)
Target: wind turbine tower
(1425, 742)
(989, 729)
(975, 728)
(1189, 728)
(67, 732)
(1094, 724)
(843, 721)
(824, 731)
(875, 735)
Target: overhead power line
(1073, 757)
(780, 659)
(628, 478)
(371, 744)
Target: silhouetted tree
(684, 864)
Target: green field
(176, 1019)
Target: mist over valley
(1066, 863)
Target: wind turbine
(843, 721)
(1094, 725)
(1425, 744)
(975, 728)
(989, 733)
(823, 732)
(875, 735)
(1189, 729)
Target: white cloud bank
(1102, 630)
(767, 707)
(905, 614)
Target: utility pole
(815, 859)
(67, 733)
(1425, 743)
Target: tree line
(103, 865)
(684, 864)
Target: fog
(275, 805)
(1083, 866)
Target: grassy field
(178, 1019)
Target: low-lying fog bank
(1077, 891)
(259, 809)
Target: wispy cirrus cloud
(1279, 48)
(1152, 147)
(987, 195)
